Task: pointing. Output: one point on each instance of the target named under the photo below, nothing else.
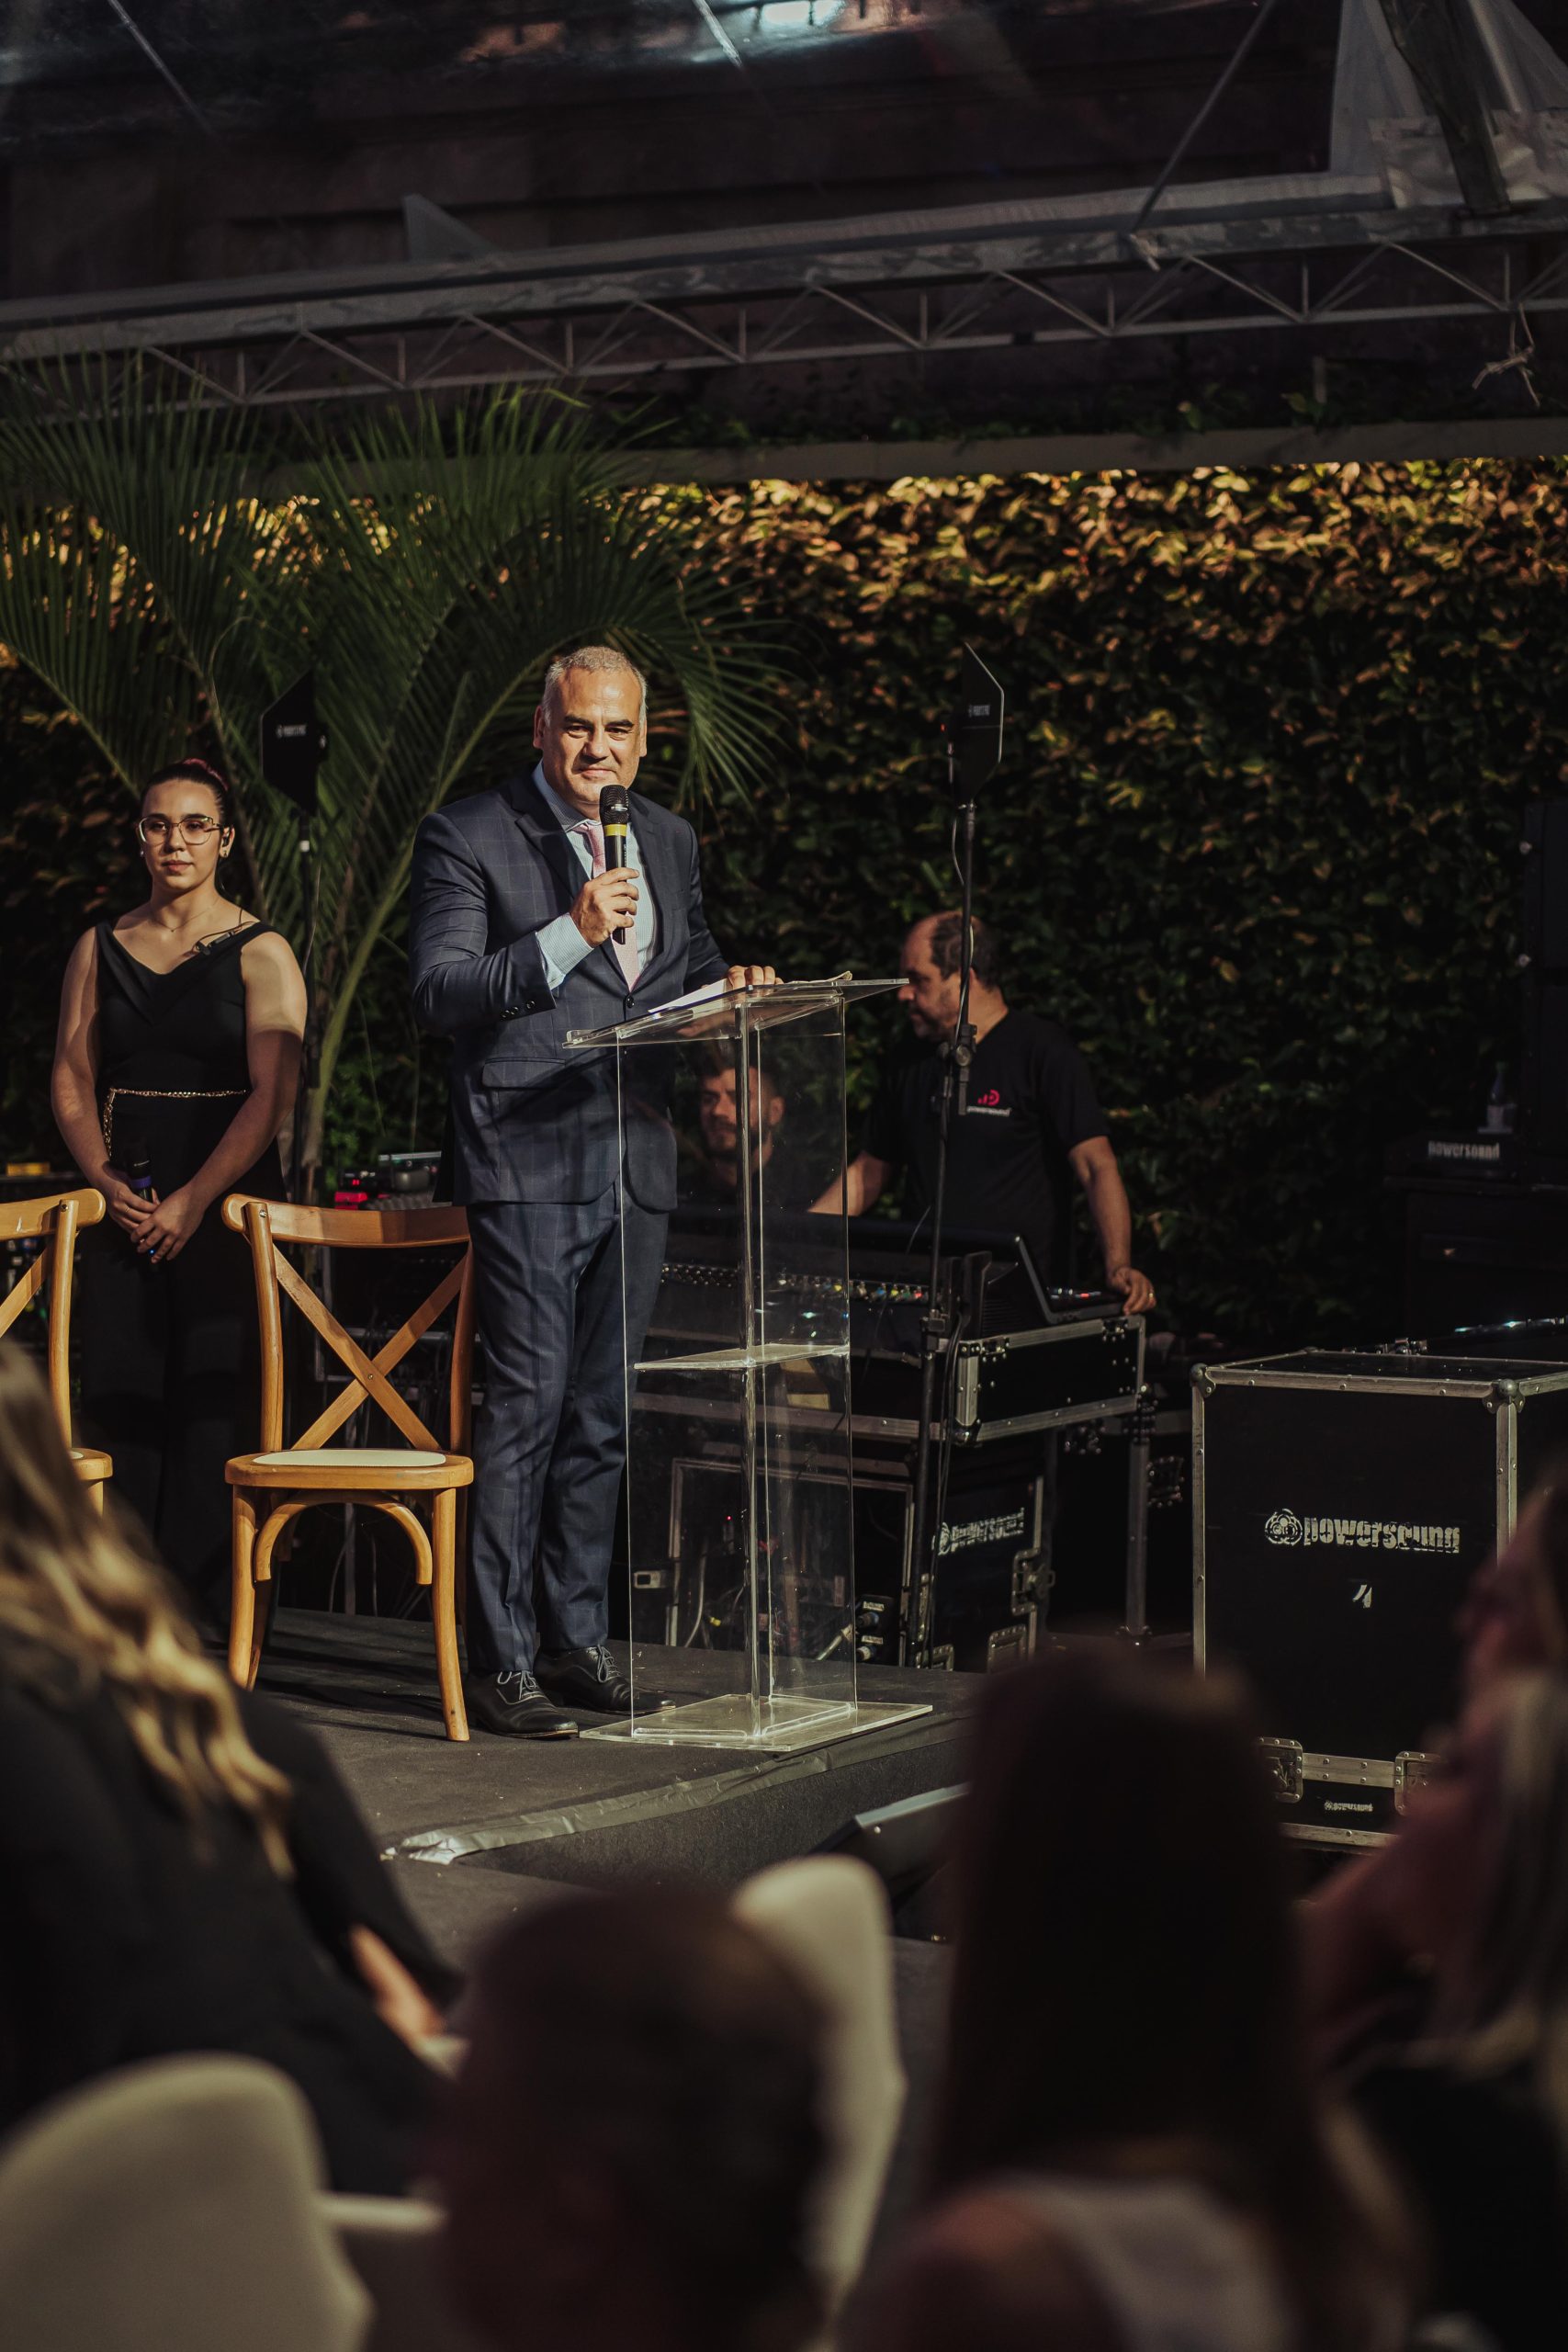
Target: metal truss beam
(639, 314)
(1435, 441)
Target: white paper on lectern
(711, 990)
(705, 995)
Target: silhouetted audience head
(1440, 1972)
(629, 2147)
(1126, 1970)
(81, 1606)
(1481, 1867)
(1515, 1614)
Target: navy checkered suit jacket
(532, 1121)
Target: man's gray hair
(600, 658)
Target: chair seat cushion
(354, 1457)
(364, 1468)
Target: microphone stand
(936, 1325)
(293, 744)
(308, 892)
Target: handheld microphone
(138, 1174)
(614, 815)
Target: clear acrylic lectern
(740, 1510)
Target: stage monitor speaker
(1543, 1091)
(1545, 847)
(906, 1844)
(1474, 1256)
(1543, 1077)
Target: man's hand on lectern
(750, 976)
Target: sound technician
(1033, 1123)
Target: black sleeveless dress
(171, 1371)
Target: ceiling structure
(823, 213)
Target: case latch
(1030, 1573)
(1412, 1769)
(1282, 1761)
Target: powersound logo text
(1359, 1534)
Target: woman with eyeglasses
(175, 1065)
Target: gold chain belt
(162, 1094)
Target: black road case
(1341, 1504)
(1082, 1371)
(978, 1611)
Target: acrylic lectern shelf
(755, 1359)
(766, 1007)
(775, 1726)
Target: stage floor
(477, 1833)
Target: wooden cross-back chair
(55, 1219)
(273, 1485)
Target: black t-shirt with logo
(1032, 1102)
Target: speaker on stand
(1485, 1228)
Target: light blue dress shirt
(562, 943)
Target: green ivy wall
(1255, 836)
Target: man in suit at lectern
(512, 943)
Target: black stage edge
(476, 1833)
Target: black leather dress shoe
(514, 1705)
(590, 1679)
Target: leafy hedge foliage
(67, 858)
(1254, 838)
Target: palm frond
(75, 609)
(425, 569)
(171, 488)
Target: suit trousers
(560, 1285)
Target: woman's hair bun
(197, 772)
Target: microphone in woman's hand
(138, 1174)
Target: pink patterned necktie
(626, 957)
